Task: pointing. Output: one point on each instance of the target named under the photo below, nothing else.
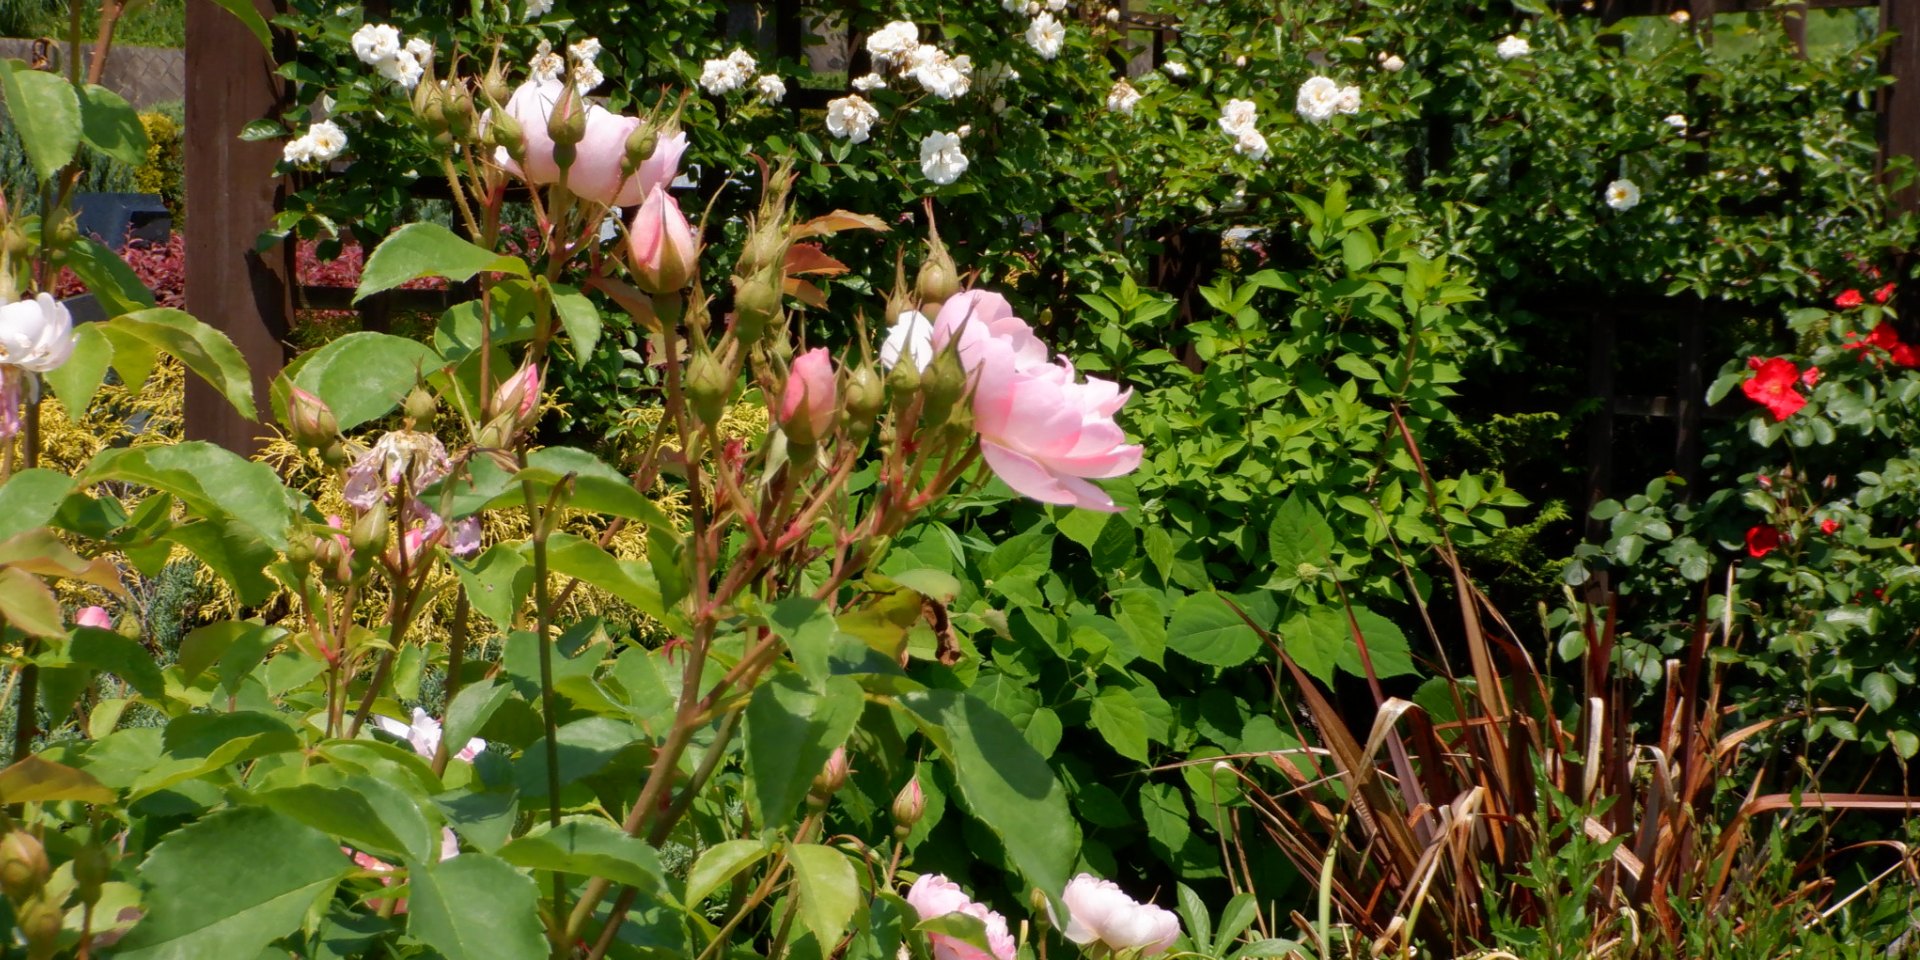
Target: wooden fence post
(233, 193)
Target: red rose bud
(811, 398)
(1881, 295)
(310, 420)
(1829, 526)
(663, 246)
(909, 805)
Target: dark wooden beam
(1900, 101)
(238, 289)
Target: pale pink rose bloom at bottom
(1100, 910)
(934, 895)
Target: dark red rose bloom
(1772, 386)
(1849, 300)
(1762, 540)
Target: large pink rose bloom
(1100, 910)
(935, 896)
(598, 158)
(1042, 430)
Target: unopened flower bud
(40, 921)
(461, 114)
(518, 397)
(430, 105)
(92, 868)
(909, 805)
(14, 243)
(942, 384)
(866, 395)
(765, 248)
(640, 146)
(567, 124)
(904, 380)
(369, 534)
(665, 251)
(302, 550)
(494, 85)
(832, 775)
(939, 278)
(708, 386)
(505, 132)
(811, 398)
(756, 305)
(23, 865)
(310, 421)
(421, 408)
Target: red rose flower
(1811, 376)
(1849, 300)
(1905, 355)
(1771, 386)
(1881, 295)
(1762, 540)
(1829, 526)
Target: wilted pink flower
(811, 397)
(466, 537)
(935, 896)
(419, 458)
(1100, 910)
(664, 248)
(96, 617)
(1042, 430)
(424, 735)
(596, 173)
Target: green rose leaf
(230, 884)
(1204, 628)
(207, 352)
(829, 889)
(111, 125)
(365, 375)
(429, 250)
(475, 907)
(587, 846)
(792, 728)
(45, 113)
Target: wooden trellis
(248, 291)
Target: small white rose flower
(941, 159)
(35, 335)
(546, 65)
(1513, 47)
(1348, 100)
(1250, 144)
(743, 62)
(538, 8)
(1623, 195)
(421, 50)
(1318, 99)
(851, 117)
(1680, 16)
(328, 140)
(910, 336)
(1678, 121)
(1174, 69)
(298, 152)
(1112, 14)
(871, 81)
(1056, 6)
(1046, 35)
(771, 88)
(1238, 116)
(723, 76)
(375, 42)
(402, 69)
(1391, 63)
(1122, 98)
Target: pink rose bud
(811, 398)
(909, 805)
(519, 395)
(310, 420)
(832, 776)
(663, 245)
(96, 617)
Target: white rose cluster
(549, 65)
(1320, 99)
(897, 47)
(1239, 120)
(378, 46)
(321, 143)
(730, 73)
